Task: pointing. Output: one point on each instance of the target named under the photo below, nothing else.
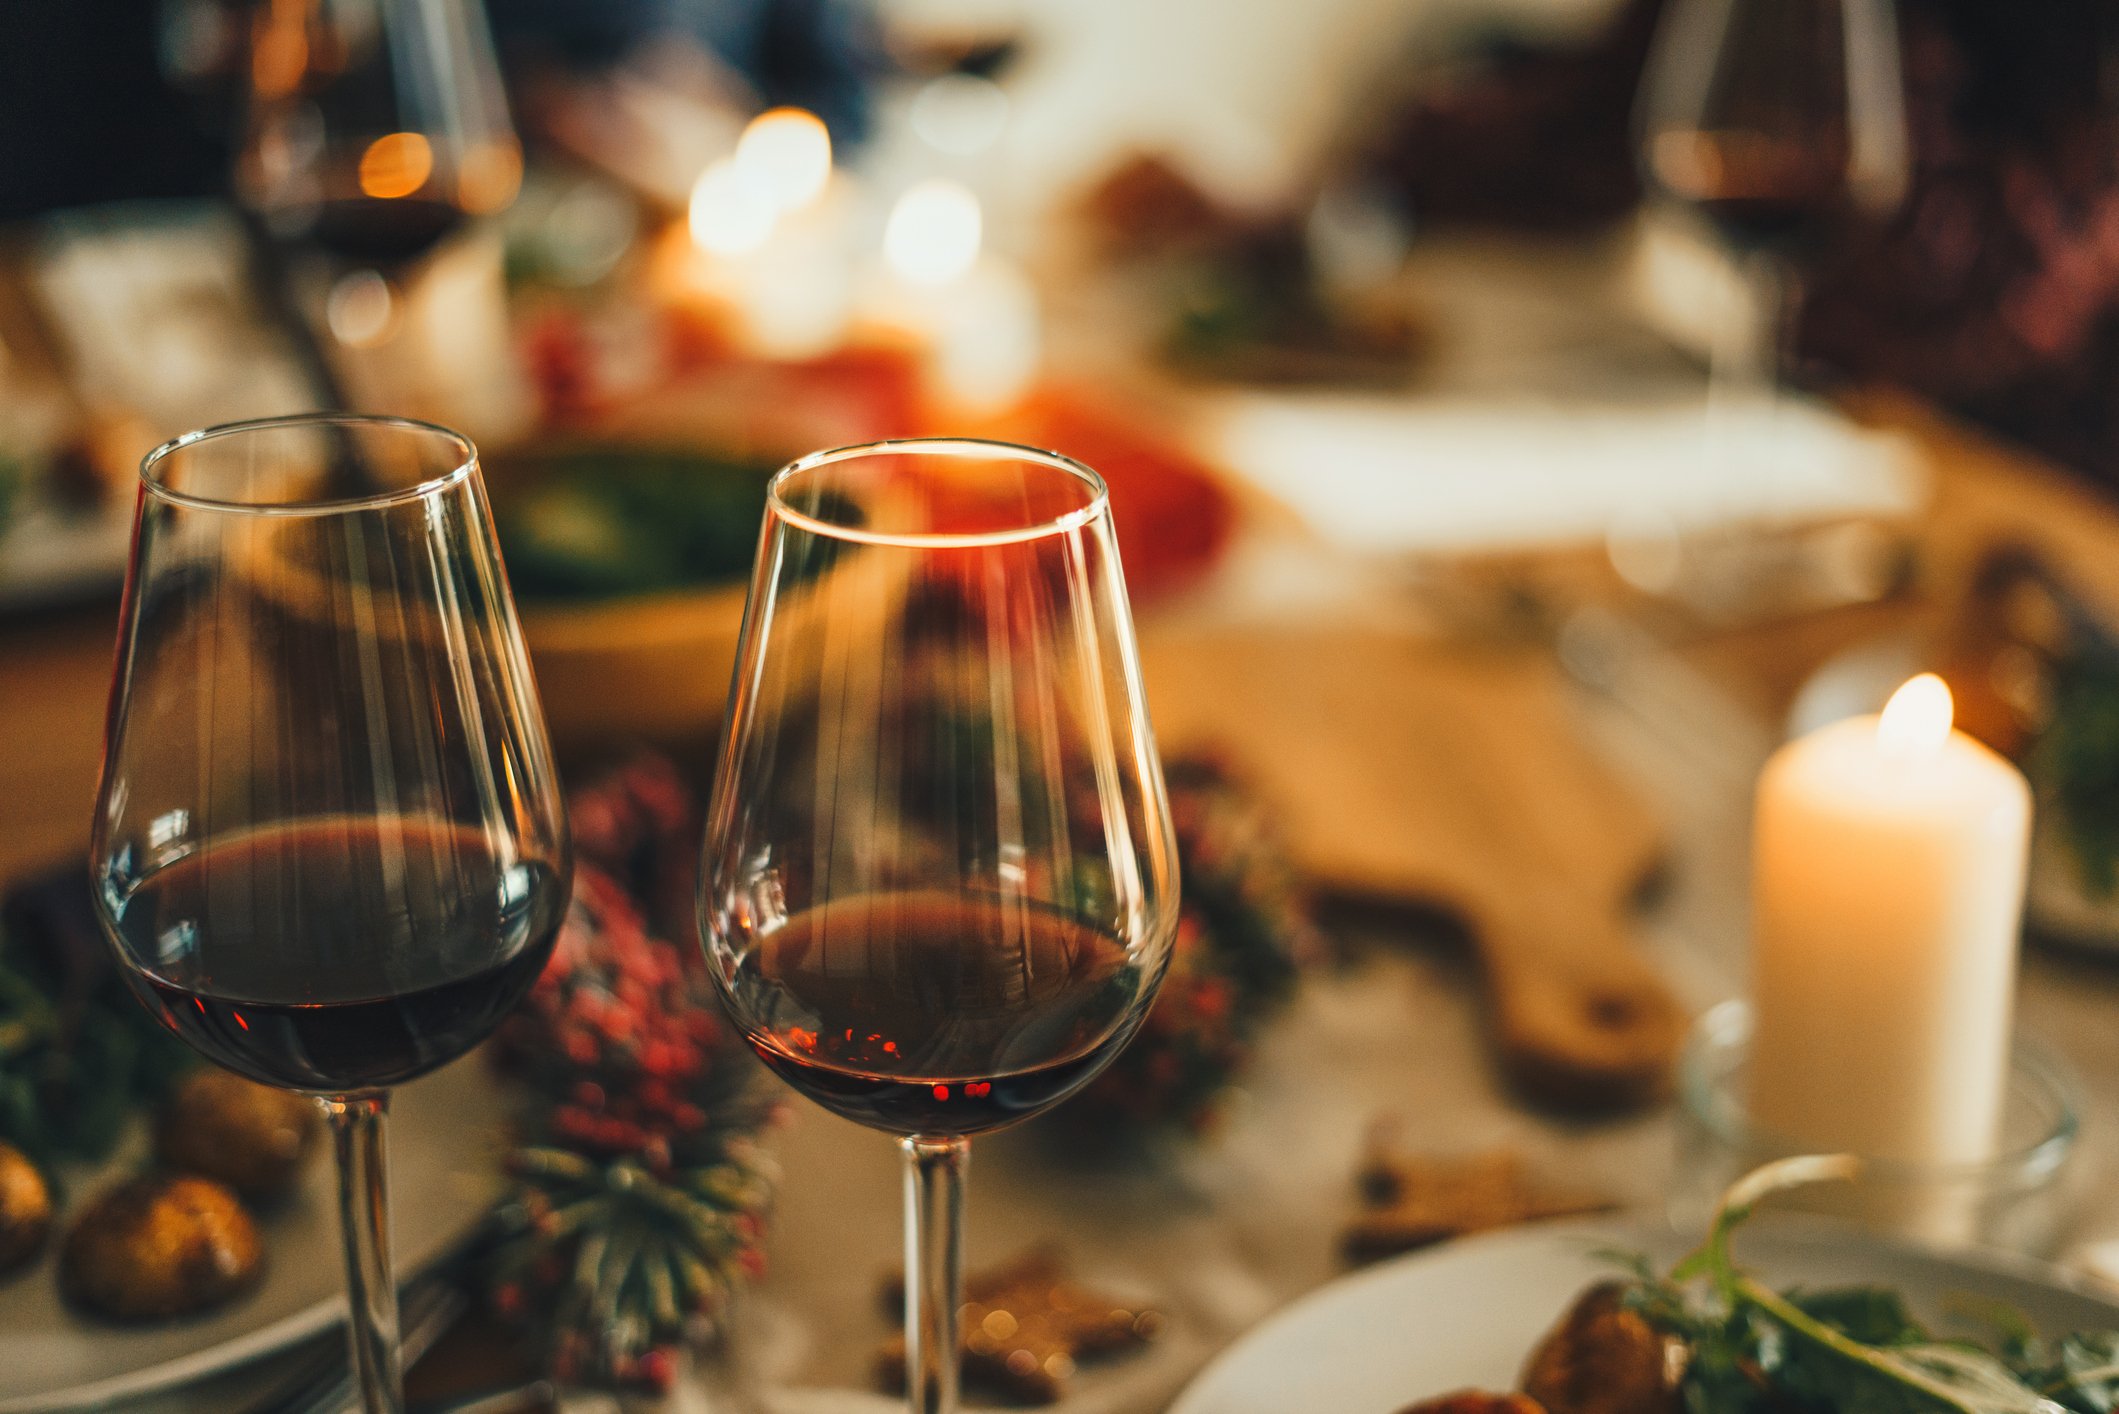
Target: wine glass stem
(364, 1222)
(934, 1269)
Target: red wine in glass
(329, 847)
(939, 886)
(931, 1013)
(1758, 192)
(1774, 121)
(416, 939)
(383, 234)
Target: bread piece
(25, 1208)
(158, 1246)
(1603, 1358)
(249, 1136)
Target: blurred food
(1172, 515)
(1604, 1358)
(1246, 295)
(1708, 1335)
(251, 1137)
(1145, 205)
(99, 463)
(1472, 1401)
(600, 521)
(2015, 627)
(632, 559)
(1517, 132)
(153, 1247)
(25, 1208)
(650, 661)
(1025, 1327)
(1410, 1201)
(2033, 667)
(79, 1055)
(631, 564)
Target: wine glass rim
(466, 459)
(1098, 502)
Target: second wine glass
(1773, 120)
(374, 128)
(940, 882)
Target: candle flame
(934, 232)
(785, 154)
(1916, 721)
(729, 214)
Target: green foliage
(1257, 297)
(1851, 1350)
(2077, 764)
(610, 521)
(1244, 933)
(73, 1069)
(2079, 1372)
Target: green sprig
(1854, 1350)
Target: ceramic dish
(443, 1180)
(1467, 1315)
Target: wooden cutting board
(1420, 773)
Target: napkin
(1426, 476)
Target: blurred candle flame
(1916, 721)
(785, 155)
(729, 214)
(934, 233)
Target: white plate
(1467, 1315)
(443, 1179)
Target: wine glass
(329, 849)
(1773, 120)
(374, 127)
(371, 131)
(939, 884)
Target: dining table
(1220, 1229)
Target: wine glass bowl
(939, 886)
(373, 128)
(329, 850)
(1773, 117)
(1775, 121)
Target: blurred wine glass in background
(374, 128)
(1775, 121)
(367, 132)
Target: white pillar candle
(1887, 895)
